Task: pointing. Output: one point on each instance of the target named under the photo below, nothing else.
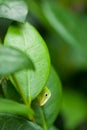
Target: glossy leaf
(26, 38)
(11, 122)
(46, 115)
(9, 106)
(12, 59)
(15, 10)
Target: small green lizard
(44, 96)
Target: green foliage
(66, 36)
(72, 30)
(74, 108)
(53, 128)
(25, 67)
(9, 106)
(55, 101)
(14, 10)
(12, 122)
(12, 60)
(46, 115)
(9, 91)
(26, 38)
(24, 71)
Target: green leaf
(72, 29)
(74, 108)
(53, 128)
(4, 24)
(9, 106)
(11, 122)
(12, 59)
(63, 25)
(15, 10)
(10, 91)
(52, 107)
(48, 113)
(36, 10)
(26, 38)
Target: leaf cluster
(25, 69)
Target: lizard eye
(46, 94)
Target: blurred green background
(63, 25)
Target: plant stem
(22, 94)
(43, 120)
(19, 88)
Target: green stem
(43, 120)
(19, 88)
(22, 94)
